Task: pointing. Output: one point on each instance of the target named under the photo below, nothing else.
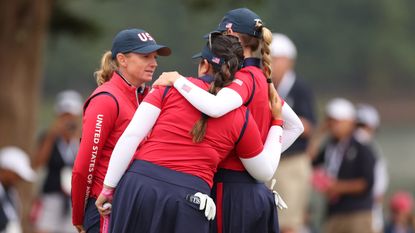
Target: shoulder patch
(186, 88)
(238, 81)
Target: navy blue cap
(209, 56)
(137, 41)
(241, 20)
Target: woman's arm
(263, 166)
(293, 127)
(143, 121)
(214, 106)
(102, 111)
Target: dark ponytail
(229, 49)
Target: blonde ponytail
(266, 60)
(108, 66)
(265, 51)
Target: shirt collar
(207, 78)
(252, 61)
(125, 80)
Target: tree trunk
(23, 30)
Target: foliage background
(359, 49)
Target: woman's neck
(247, 53)
(254, 54)
(129, 80)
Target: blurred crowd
(337, 156)
(50, 171)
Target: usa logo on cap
(144, 36)
(216, 60)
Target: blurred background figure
(368, 121)
(56, 154)
(14, 167)
(294, 170)
(401, 213)
(348, 172)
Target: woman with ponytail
(167, 186)
(235, 191)
(121, 88)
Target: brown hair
(108, 66)
(229, 49)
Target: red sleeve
(101, 112)
(243, 85)
(250, 143)
(156, 96)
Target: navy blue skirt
(155, 199)
(243, 204)
(91, 217)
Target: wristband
(107, 192)
(277, 122)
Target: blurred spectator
(294, 169)
(56, 152)
(401, 209)
(348, 174)
(367, 125)
(14, 167)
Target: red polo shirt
(258, 106)
(170, 144)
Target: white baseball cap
(69, 101)
(282, 46)
(340, 109)
(15, 159)
(367, 115)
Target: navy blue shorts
(92, 217)
(155, 199)
(243, 204)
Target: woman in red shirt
(121, 88)
(167, 186)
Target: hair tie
(269, 80)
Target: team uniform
(107, 113)
(235, 191)
(156, 192)
(244, 204)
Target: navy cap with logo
(209, 56)
(241, 20)
(137, 41)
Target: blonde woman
(122, 77)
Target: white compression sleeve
(141, 124)
(214, 106)
(264, 165)
(293, 127)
